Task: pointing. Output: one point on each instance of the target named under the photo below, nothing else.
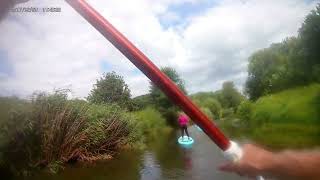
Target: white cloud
(220, 40)
(53, 50)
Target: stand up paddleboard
(185, 141)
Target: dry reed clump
(71, 130)
(54, 130)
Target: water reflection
(163, 159)
(151, 168)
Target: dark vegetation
(49, 130)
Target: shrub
(15, 135)
(150, 121)
(111, 88)
(210, 104)
(288, 119)
(109, 127)
(244, 111)
(59, 127)
(227, 113)
(141, 102)
(50, 130)
(214, 106)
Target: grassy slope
(288, 119)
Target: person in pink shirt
(183, 122)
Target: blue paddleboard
(185, 141)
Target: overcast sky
(207, 41)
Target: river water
(163, 159)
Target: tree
(208, 101)
(264, 69)
(230, 97)
(293, 62)
(111, 88)
(210, 104)
(309, 33)
(160, 100)
(276, 68)
(141, 102)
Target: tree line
(291, 63)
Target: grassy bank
(290, 118)
(49, 130)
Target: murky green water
(163, 159)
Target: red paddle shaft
(150, 70)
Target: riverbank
(161, 159)
(289, 119)
(49, 131)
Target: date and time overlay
(36, 9)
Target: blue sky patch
(184, 11)
(105, 66)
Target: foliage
(227, 113)
(141, 102)
(221, 103)
(208, 103)
(274, 69)
(58, 126)
(111, 88)
(160, 100)
(202, 96)
(309, 33)
(293, 62)
(288, 106)
(289, 118)
(51, 130)
(230, 96)
(109, 127)
(14, 132)
(150, 121)
(244, 111)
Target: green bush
(227, 113)
(208, 103)
(108, 128)
(289, 119)
(141, 102)
(15, 133)
(244, 111)
(150, 121)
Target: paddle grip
(234, 153)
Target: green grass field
(290, 118)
